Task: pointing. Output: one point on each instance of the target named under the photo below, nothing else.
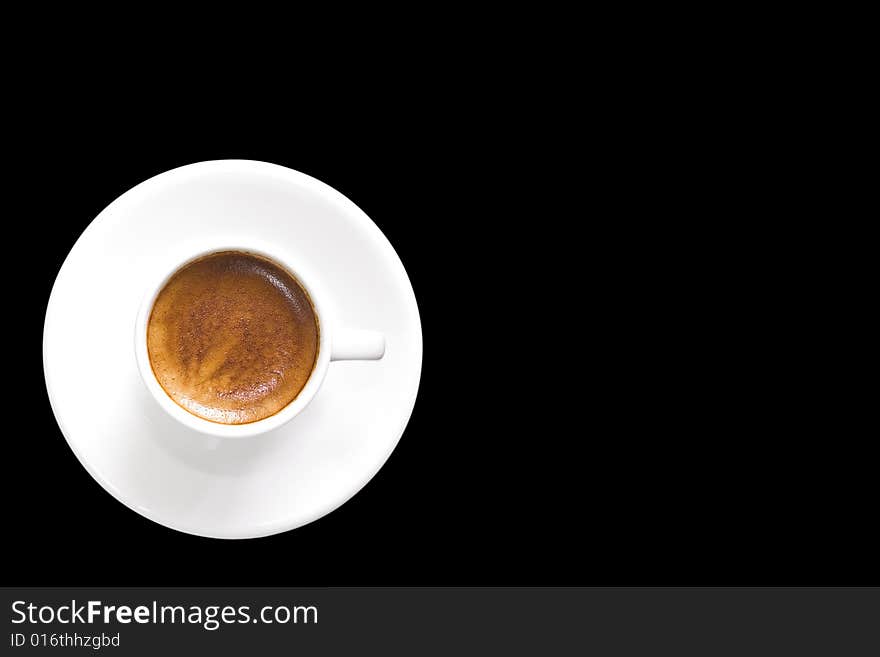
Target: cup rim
(162, 274)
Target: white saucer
(212, 486)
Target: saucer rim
(267, 529)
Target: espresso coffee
(232, 337)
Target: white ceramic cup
(333, 343)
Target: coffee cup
(333, 343)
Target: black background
(603, 399)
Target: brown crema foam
(232, 337)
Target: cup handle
(357, 344)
